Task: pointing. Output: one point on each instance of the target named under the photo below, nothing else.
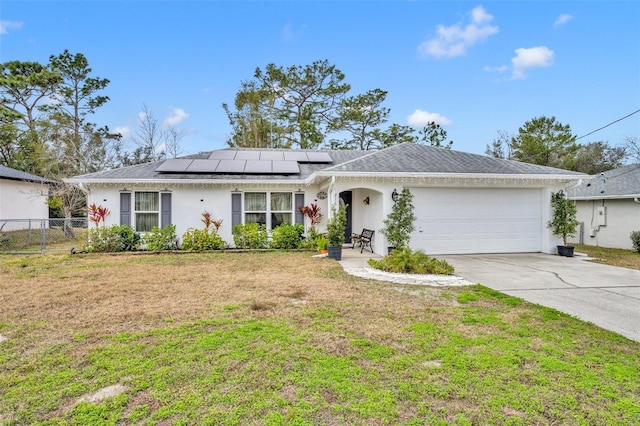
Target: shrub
(635, 240)
(114, 238)
(250, 236)
(160, 239)
(287, 237)
(412, 262)
(336, 226)
(398, 225)
(564, 222)
(202, 240)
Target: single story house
(464, 203)
(609, 207)
(22, 196)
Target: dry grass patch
(276, 338)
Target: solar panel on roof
(319, 157)
(223, 154)
(271, 155)
(258, 166)
(231, 166)
(177, 165)
(203, 166)
(247, 155)
(296, 156)
(285, 167)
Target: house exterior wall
(621, 218)
(189, 202)
(23, 200)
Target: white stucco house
(464, 203)
(22, 196)
(609, 207)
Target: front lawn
(284, 338)
(611, 256)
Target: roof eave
(605, 197)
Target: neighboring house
(464, 203)
(609, 207)
(22, 195)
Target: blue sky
(474, 67)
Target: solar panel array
(245, 162)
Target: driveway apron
(607, 296)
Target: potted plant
(398, 225)
(564, 222)
(322, 243)
(335, 231)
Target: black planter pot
(335, 252)
(390, 249)
(565, 251)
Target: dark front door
(345, 197)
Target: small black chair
(364, 238)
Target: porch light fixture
(394, 195)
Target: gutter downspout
(636, 200)
(333, 181)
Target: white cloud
(289, 33)
(421, 118)
(457, 39)
(562, 19)
(5, 26)
(178, 115)
(125, 131)
(500, 69)
(527, 58)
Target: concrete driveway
(607, 296)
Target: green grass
(357, 352)
(611, 256)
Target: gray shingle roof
(623, 182)
(415, 158)
(13, 174)
(403, 158)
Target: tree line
(46, 127)
(548, 142)
(310, 107)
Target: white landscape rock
(3, 339)
(104, 393)
(411, 279)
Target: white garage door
(458, 221)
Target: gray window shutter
(125, 208)
(236, 209)
(299, 202)
(165, 212)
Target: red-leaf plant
(312, 211)
(97, 214)
(206, 219)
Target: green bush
(202, 240)
(407, 261)
(107, 239)
(160, 239)
(250, 236)
(287, 237)
(635, 240)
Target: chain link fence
(39, 235)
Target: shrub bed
(407, 261)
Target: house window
(277, 211)
(146, 210)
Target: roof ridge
(364, 156)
